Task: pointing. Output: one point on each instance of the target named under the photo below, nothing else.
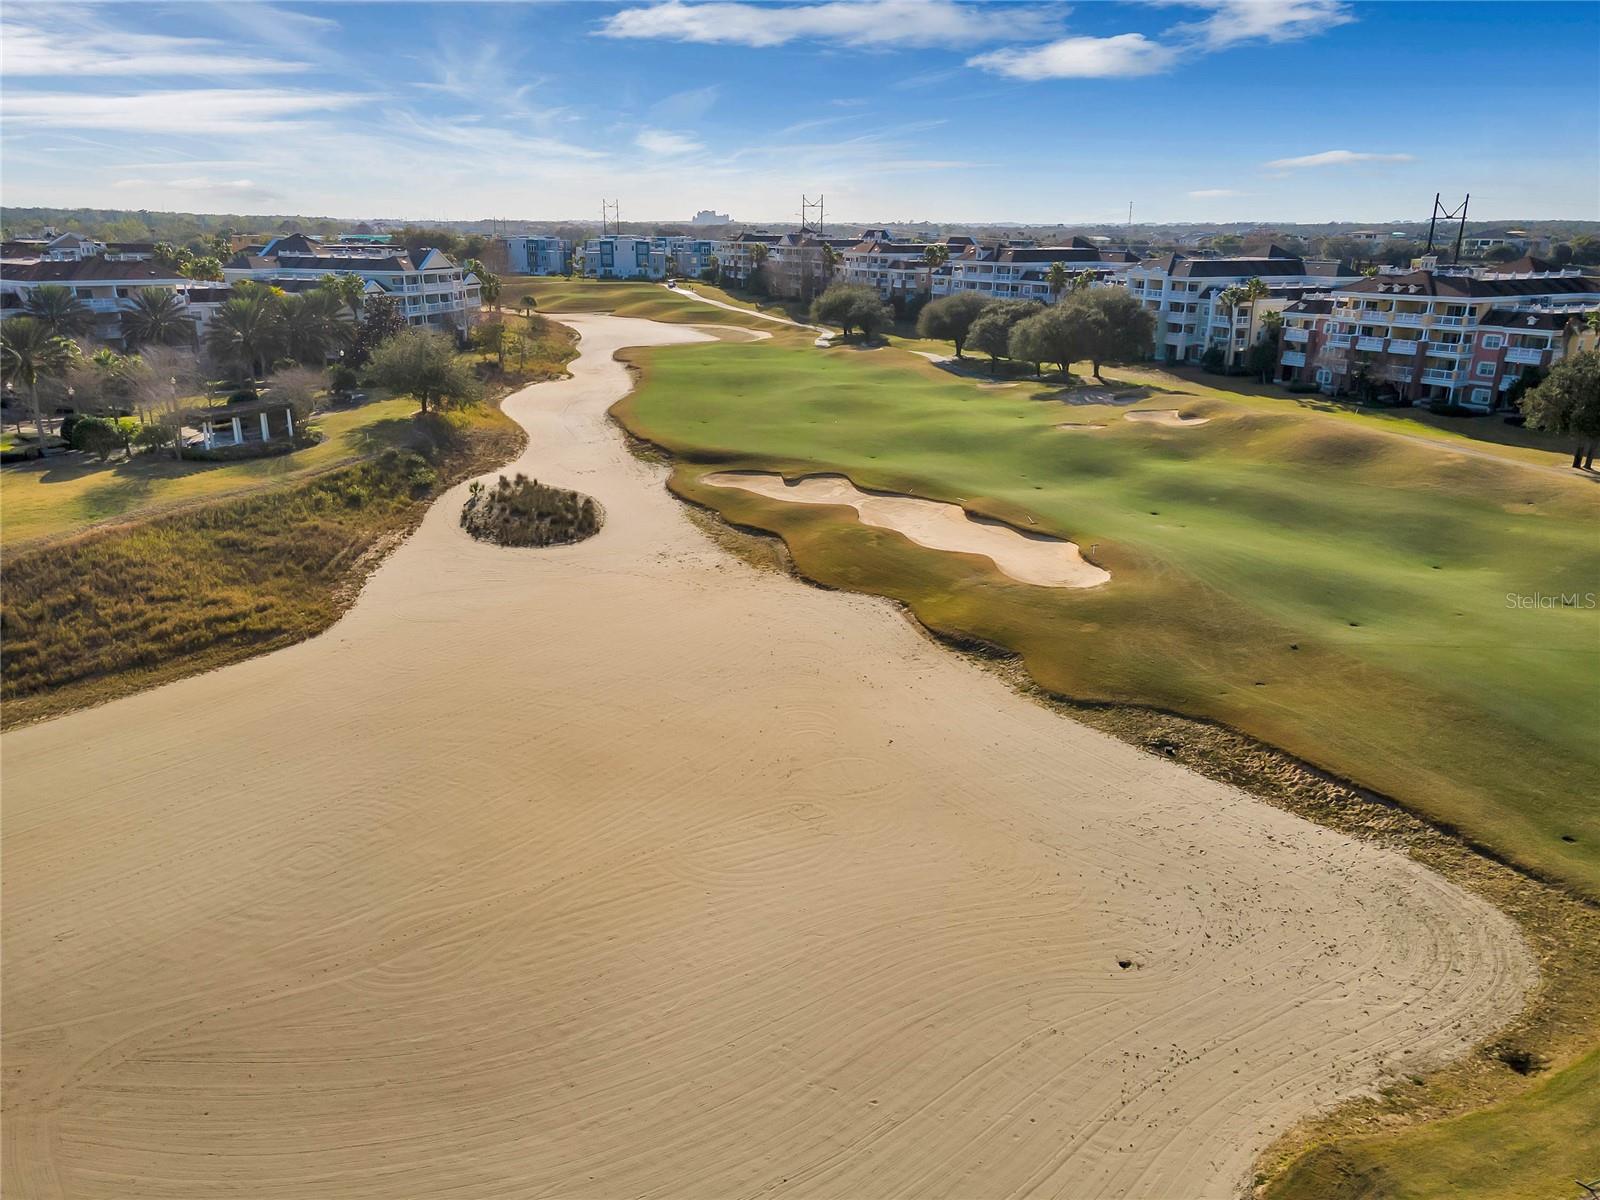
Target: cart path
(624, 869)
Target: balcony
(1397, 374)
(1293, 358)
(1292, 334)
(1407, 318)
(1369, 343)
(1450, 349)
(1341, 340)
(1403, 346)
(1456, 322)
(1531, 355)
(1430, 375)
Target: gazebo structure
(260, 423)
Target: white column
(288, 421)
(266, 434)
(238, 432)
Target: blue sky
(1294, 110)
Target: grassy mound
(525, 512)
(118, 609)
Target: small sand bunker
(1078, 425)
(1026, 557)
(1169, 417)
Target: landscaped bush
(525, 512)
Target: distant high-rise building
(706, 217)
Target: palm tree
(29, 353)
(714, 264)
(936, 255)
(314, 323)
(349, 288)
(488, 281)
(1229, 299)
(248, 331)
(1083, 282)
(59, 310)
(156, 316)
(1057, 278)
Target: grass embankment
(116, 610)
(649, 301)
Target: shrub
(525, 512)
(97, 436)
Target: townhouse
(432, 292)
(105, 286)
(531, 255)
(1426, 336)
(623, 256)
(1183, 294)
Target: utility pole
(805, 207)
(1459, 215)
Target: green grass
(1294, 574)
(1530, 1148)
(56, 496)
(649, 301)
(125, 607)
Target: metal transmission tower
(806, 206)
(610, 217)
(1459, 215)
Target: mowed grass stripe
(1387, 562)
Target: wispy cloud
(663, 141)
(1214, 193)
(1335, 158)
(59, 49)
(687, 106)
(1125, 54)
(861, 23)
(231, 190)
(234, 111)
(1235, 21)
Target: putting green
(1382, 607)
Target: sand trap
(1169, 417)
(629, 870)
(935, 358)
(1026, 557)
(1078, 425)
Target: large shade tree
(1055, 335)
(1567, 402)
(423, 364)
(1117, 327)
(950, 318)
(991, 332)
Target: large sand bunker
(1169, 417)
(1025, 557)
(628, 870)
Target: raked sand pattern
(621, 869)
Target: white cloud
(1081, 58)
(1335, 158)
(1214, 193)
(863, 23)
(1235, 21)
(663, 141)
(71, 50)
(236, 111)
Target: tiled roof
(89, 270)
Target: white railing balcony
(1292, 334)
(1407, 318)
(1369, 343)
(1341, 340)
(102, 306)
(1397, 374)
(1430, 375)
(1525, 354)
(1450, 349)
(1456, 322)
(1293, 358)
(1403, 346)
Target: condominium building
(1182, 294)
(623, 256)
(530, 255)
(103, 285)
(1012, 271)
(432, 292)
(1429, 336)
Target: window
(1480, 396)
(1492, 341)
(1484, 370)
(1324, 375)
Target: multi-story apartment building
(434, 292)
(898, 269)
(1011, 271)
(687, 256)
(532, 255)
(105, 286)
(1182, 294)
(1429, 336)
(623, 256)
